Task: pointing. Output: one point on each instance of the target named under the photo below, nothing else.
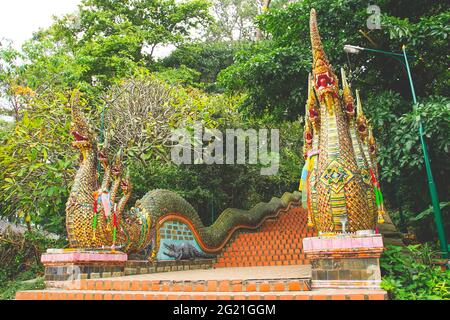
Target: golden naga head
(371, 143)
(311, 103)
(308, 135)
(361, 121)
(79, 127)
(116, 168)
(103, 153)
(125, 184)
(325, 80)
(347, 96)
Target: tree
(235, 19)
(104, 41)
(139, 118)
(274, 71)
(112, 35)
(37, 164)
(206, 59)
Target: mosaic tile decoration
(175, 232)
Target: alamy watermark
(199, 145)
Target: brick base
(345, 261)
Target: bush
(409, 274)
(20, 256)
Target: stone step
(248, 285)
(258, 279)
(337, 294)
(261, 263)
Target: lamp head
(352, 49)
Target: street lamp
(431, 185)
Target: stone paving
(239, 273)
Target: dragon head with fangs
(81, 131)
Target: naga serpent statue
(95, 220)
(339, 180)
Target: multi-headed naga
(339, 181)
(94, 219)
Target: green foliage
(233, 20)
(411, 275)
(181, 75)
(274, 73)
(103, 42)
(427, 40)
(206, 58)
(271, 77)
(157, 108)
(112, 36)
(426, 213)
(8, 291)
(422, 224)
(20, 260)
(400, 156)
(37, 165)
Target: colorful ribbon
(378, 197)
(304, 183)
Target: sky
(20, 18)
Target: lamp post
(403, 58)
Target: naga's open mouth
(115, 170)
(124, 185)
(78, 137)
(324, 80)
(308, 137)
(102, 156)
(81, 141)
(349, 108)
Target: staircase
(267, 264)
(247, 283)
(278, 242)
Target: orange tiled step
(260, 250)
(261, 263)
(338, 294)
(264, 261)
(278, 242)
(253, 257)
(257, 285)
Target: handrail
(204, 246)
